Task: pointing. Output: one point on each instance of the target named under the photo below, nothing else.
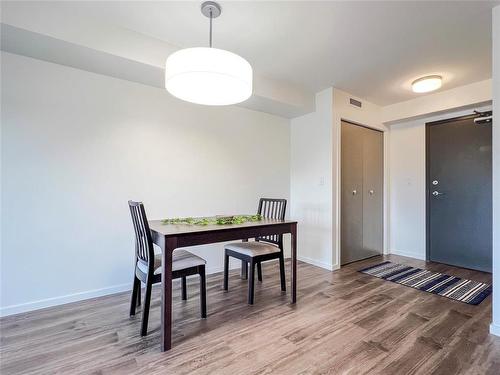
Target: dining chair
(253, 253)
(148, 267)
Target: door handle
(371, 192)
(354, 192)
(437, 193)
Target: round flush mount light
(427, 84)
(206, 75)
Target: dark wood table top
(177, 229)
(172, 236)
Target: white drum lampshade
(208, 76)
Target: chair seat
(183, 259)
(253, 248)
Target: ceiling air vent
(355, 102)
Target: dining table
(172, 236)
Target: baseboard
(407, 254)
(61, 300)
(81, 296)
(495, 329)
(318, 263)
(221, 268)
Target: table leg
(169, 245)
(293, 233)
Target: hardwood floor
(343, 322)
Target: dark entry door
(459, 193)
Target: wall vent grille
(355, 102)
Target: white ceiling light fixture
(206, 75)
(427, 84)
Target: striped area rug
(463, 290)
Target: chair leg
(184, 288)
(251, 277)
(259, 271)
(226, 271)
(139, 290)
(203, 292)
(244, 270)
(135, 289)
(145, 310)
(282, 272)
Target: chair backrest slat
(144, 250)
(270, 208)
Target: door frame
(428, 177)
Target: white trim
(232, 266)
(318, 263)
(81, 296)
(61, 300)
(407, 254)
(337, 181)
(387, 192)
(495, 329)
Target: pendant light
(206, 75)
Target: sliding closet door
(373, 192)
(351, 193)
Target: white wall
(311, 181)
(77, 145)
(407, 189)
(495, 325)
(407, 184)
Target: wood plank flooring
(344, 322)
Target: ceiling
(371, 49)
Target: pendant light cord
(210, 35)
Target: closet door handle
(354, 192)
(371, 192)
